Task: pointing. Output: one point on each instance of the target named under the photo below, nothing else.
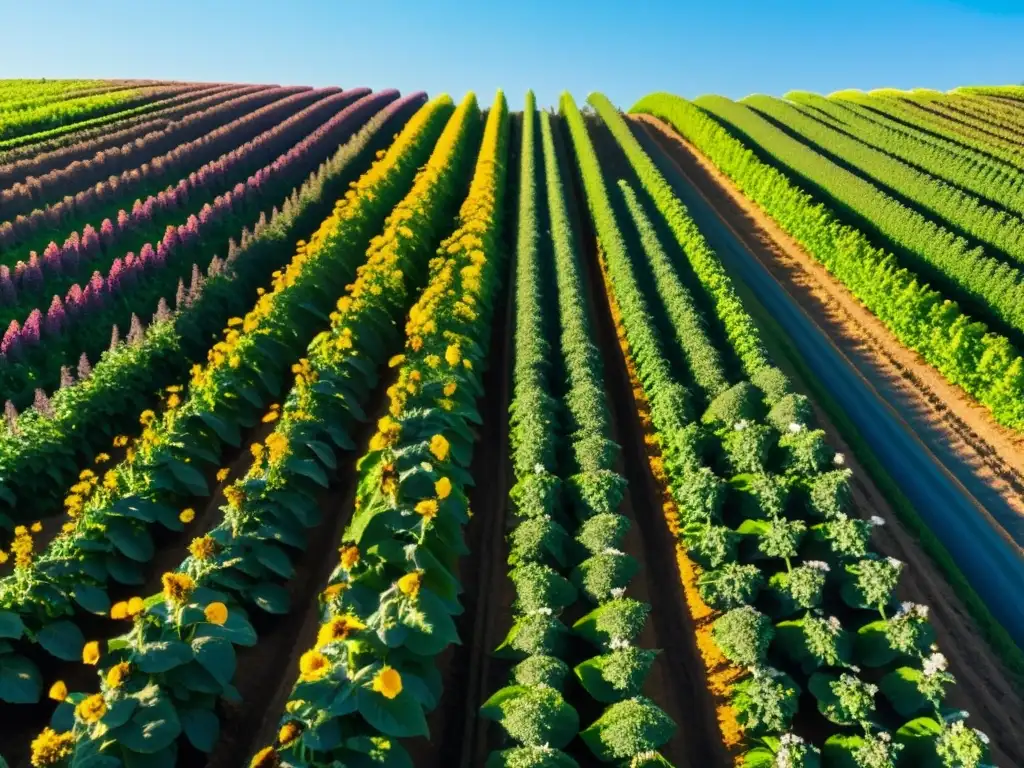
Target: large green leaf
(872, 648)
(190, 478)
(401, 717)
(274, 558)
(272, 598)
(63, 639)
(162, 656)
(201, 726)
(237, 629)
(226, 430)
(217, 656)
(132, 541)
(93, 599)
(900, 688)
(153, 727)
(11, 625)
(20, 681)
(307, 468)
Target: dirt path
(984, 688)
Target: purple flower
(42, 404)
(70, 254)
(114, 276)
(32, 279)
(8, 293)
(10, 345)
(11, 417)
(66, 378)
(136, 332)
(84, 369)
(106, 233)
(52, 263)
(74, 300)
(91, 241)
(30, 332)
(55, 318)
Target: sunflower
(50, 747)
(265, 758)
(289, 732)
(443, 488)
(91, 709)
(439, 447)
(177, 587)
(338, 629)
(58, 691)
(216, 613)
(117, 674)
(427, 509)
(409, 584)
(313, 665)
(203, 548)
(349, 557)
(387, 682)
(187, 515)
(91, 653)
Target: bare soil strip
(984, 687)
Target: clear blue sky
(625, 48)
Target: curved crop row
(146, 99)
(22, 232)
(806, 607)
(36, 187)
(388, 607)
(984, 364)
(990, 225)
(165, 109)
(31, 120)
(245, 560)
(80, 418)
(32, 353)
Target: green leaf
(63, 639)
(189, 477)
(93, 599)
(872, 645)
(324, 453)
(272, 598)
(133, 542)
(274, 558)
(154, 726)
(163, 656)
(839, 748)
(324, 737)
(20, 681)
(124, 571)
(900, 688)
(627, 729)
(11, 625)
(119, 712)
(202, 728)
(237, 629)
(400, 717)
(307, 468)
(225, 430)
(217, 657)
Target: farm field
(350, 427)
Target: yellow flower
(187, 515)
(173, 402)
(86, 474)
(67, 528)
(443, 488)
(58, 691)
(146, 418)
(439, 447)
(135, 607)
(91, 709)
(349, 557)
(37, 527)
(265, 758)
(235, 496)
(120, 441)
(20, 530)
(270, 416)
(234, 321)
(117, 674)
(387, 682)
(427, 509)
(289, 732)
(91, 653)
(110, 480)
(338, 629)
(449, 388)
(396, 361)
(203, 548)
(467, 364)
(177, 587)
(50, 747)
(453, 354)
(277, 445)
(4, 557)
(313, 665)
(256, 449)
(119, 611)
(335, 590)
(222, 474)
(432, 361)
(409, 584)
(216, 613)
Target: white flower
(618, 592)
(839, 459)
(885, 736)
(983, 736)
(914, 609)
(538, 468)
(834, 624)
(426, 466)
(545, 611)
(876, 521)
(894, 562)
(818, 565)
(618, 644)
(611, 551)
(740, 425)
(934, 663)
(794, 427)
(855, 668)
(964, 714)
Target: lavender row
(180, 244)
(53, 217)
(31, 181)
(61, 265)
(168, 108)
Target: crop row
(168, 109)
(35, 351)
(244, 560)
(807, 609)
(985, 364)
(64, 117)
(387, 610)
(17, 235)
(37, 189)
(79, 419)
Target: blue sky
(625, 48)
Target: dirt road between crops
(965, 495)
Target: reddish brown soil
(984, 687)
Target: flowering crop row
(246, 559)
(37, 189)
(985, 364)
(969, 169)
(806, 606)
(108, 536)
(389, 604)
(164, 109)
(15, 91)
(77, 114)
(47, 341)
(565, 549)
(80, 418)
(57, 218)
(965, 114)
